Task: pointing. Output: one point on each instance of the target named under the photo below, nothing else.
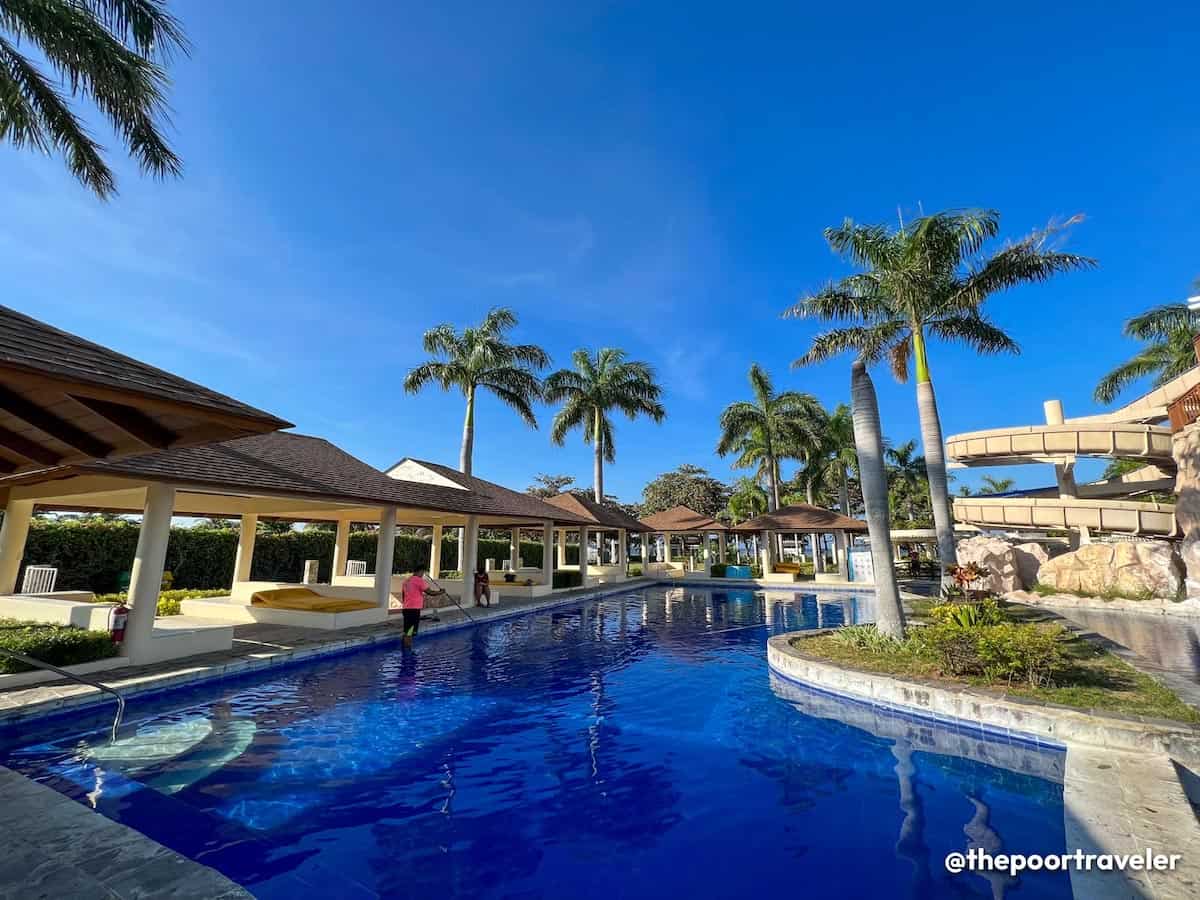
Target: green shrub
(717, 570)
(967, 615)
(59, 645)
(635, 571)
(567, 579)
(1002, 652)
(866, 638)
(756, 571)
(169, 602)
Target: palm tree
(868, 438)
(925, 279)
(996, 485)
(480, 358)
(599, 385)
(1168, 332)
(769, 428)
(905, 470)
(747, 500)
(110, 51)
(837, 456)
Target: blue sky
(619, 174)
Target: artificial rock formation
(1128, 569)
(998, 557)
(1030, 558)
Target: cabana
(278, 475)
(794, 521)
(65, 400)
(611, 528)
(681, 522)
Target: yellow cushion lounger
(304, 600)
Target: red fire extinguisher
(116, 630)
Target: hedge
(59, 645)
(97, 554)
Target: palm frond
(146, 23)
(975, 331)
(1161, 321)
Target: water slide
(1134, 432)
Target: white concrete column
(722, 548)
(583, 554)
(818, 553)
(839, 554)
(562, 547)
(385, 552)
(341, 549)
(245, 548)
(705, 553)
(13, 534)
(548, 552)
(766, 545)
(514, 548)
(622, 548)
(462, 542)
(435, 552)
(145, 581)
(667, 535)
(470, 558)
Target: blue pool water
(632, 746)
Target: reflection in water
(626, 747)
(981, 835)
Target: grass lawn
(1092, 679)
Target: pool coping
(1002, 715)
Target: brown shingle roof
(495, 499)
(32, 346)
(802, 517)
(681, 518)
(598, 513)
(296, 465)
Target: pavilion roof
(802, 517)
(596, 513)
(681, 518)
(283, 464)
(64, 399)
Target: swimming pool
(630, 746)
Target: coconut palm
(868, 439)
(928, 278)
(836, 458)
(601, 384)
(1168, 332)
(478, 359)
(771, 427)
(747, 500)
(907, 481)
(111, 52)
(991, 485)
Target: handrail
(1185, 410)
(90, 682)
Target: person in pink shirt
(413, 594)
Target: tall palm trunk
(868, 440)
(468, 438)
(935, 461)
(772, 484)
(598, 461)
(844, 492)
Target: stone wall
(1130, 569)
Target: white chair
(356, 567)
(39, 579)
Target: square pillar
(839, 554)
(514, 548)
(548, 553)
(435, 552)
(622, 548)
(766, 547)
(341, 550)
(667, 546)
(385, 552)
(245, 548)
(13, 534)
(145, 580)
(818, 553)
(470, 557)
(562, 547)
(721, 548)
(583, 554)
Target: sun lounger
(304, 600)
